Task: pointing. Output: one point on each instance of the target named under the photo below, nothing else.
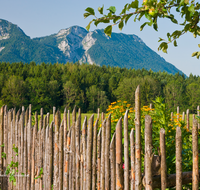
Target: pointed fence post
(148, 153)
(126, 152)
(94, 159)
(138, 173)
(195, 169)
(163, 160)
(188, 119)
(78, 129)
(99, 160)
(119, 164)
(132, 143)
(103, 135)
(107, 152)
(89, 152)
(113, 162)
(178, 159)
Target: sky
(39, 18)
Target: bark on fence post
(73, 147)
(29, 137)
(148, 153)
(84, 142)
(119, 164)
(188, 119)
(61, 130)
(178, 159)
(126, 152)
(113, 162)
(195, 169)
(183, 116)
(1, 143)
(65, 165)
(138, 173)
(10, 146)
(56, 152)
(103, 155)
(99, 160)
(132, 144)
(5, 138)
(22, 146)
(198, 114)
(163, 160)
(89, 153)
(50, 156)
(67, 152)
(94, 160)
(178, 112)
(172, 116)
(107, 152)
(78, 129)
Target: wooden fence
(65, 155)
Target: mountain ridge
(77, 44)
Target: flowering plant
(161, 118)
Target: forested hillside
(90, 86)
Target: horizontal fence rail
(64, 155)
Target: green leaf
(121, 25)
(155, 26)
(100, 9)
(116, 19)
(108, 30)
(194, 53)
(2, 145)
(88, 26)
(142, 26)
(135, 4)
(191, 8)
(199, 45)
(112, 9)
(160, 39)
(86, 15)
(90, 10)
(175, 43)
(127, 18)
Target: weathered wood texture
(64, 155)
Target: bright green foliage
(12, 167)
(161, 119)
(153, 10)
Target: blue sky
(44, 17)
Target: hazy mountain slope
(77, 44)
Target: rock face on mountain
(77, 44)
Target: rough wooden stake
(119, 164)
(78, 129)
(103, 155)
(132, 143)
(107, 152)
(84, 142)
(188, 119)
(113, 162)
(138, 173)
(61, 131)
(94, 159)
(163, 160)
(178, 159)
(126, 152)
(148, 153)
(195, 168)
(99, 160)
(89, 153)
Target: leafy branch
(152, 10)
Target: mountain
(77, 44)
